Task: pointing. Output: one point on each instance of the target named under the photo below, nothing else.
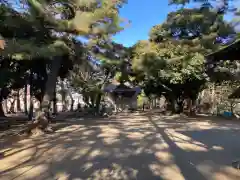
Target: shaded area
(127, 146)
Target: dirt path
(143, 147)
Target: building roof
(230, 52)
(235, 94)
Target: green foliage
(38, 32)
(171, 62)
(44, 30)
(88, 81)
(195, 28)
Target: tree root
(40, 123)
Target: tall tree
(44, 31)
(92, 19)
(172, 61)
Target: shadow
(127, 146)
(181, 159)
(102, 149)
(225, 139)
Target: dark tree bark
(98, 102)
(72, 104)
(51, 84)
(25, 98)
(193, 107)
(179, 104)
(72, 101)
(54, 102)
(2, 114)
(30, 111)
(171, 104)
(42, 120)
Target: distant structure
(123, 95)
(231, 53)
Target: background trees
(41, 38)
(41, 47)
(172, 61)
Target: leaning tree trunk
(42, 117)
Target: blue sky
(143, 14)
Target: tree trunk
(179, 104)
(25, 98)
(189, 106)
(2, 114)
(72, 101)
(72, 104)
(50, 84)
(42, 120)
(154, 102)
(12, 109)
(6, 105)
(18, 101)
(2, 95)
(54, 102)
(98, 102)
(213, 97)
(193, 108)
(149, 102)
(30, 111)
(63, 94)
(172, 106)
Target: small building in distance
(122, 95)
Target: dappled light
(161, 148)
(84, 97)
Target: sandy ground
(138, 146)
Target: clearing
(134, 146)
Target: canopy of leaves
(172, 61)
(41, 30)
(38, 31)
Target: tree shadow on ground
(143, 146)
